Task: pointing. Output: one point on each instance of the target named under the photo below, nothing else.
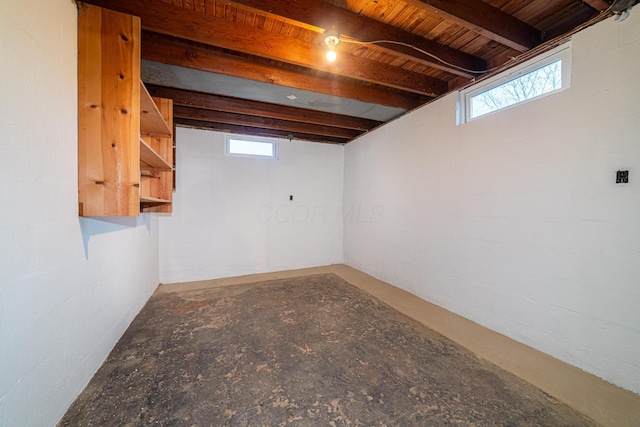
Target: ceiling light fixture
(331, 39)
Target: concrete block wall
(69, 286)
(514, 220)
(232, 215)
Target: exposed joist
(320, 15)
(486, 20)
(248, 130)
(387, 75)
(262, 122)
(207, 101)
(564, 23)
(187, 24)
(175, 53)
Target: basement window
(541, 76)
(248, 146)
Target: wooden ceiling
(228, 64)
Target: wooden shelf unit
(125, 137)
(156, 165)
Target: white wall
(514, 220)
(232, 215)
(69, 286)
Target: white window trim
(562, 52)
(229, 137)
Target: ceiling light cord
(437, 58)
(515, 59)
(557, 41)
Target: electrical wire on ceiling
(437, 58)
(557, 41)
(514, 59)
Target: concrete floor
(147, 378)
(599, 400)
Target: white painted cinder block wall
(514, 220)
(69, 286)
(232, 215)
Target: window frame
(562, 53)
(272, 141)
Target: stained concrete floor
(302, 351)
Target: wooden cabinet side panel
(108, 112)
(162, 185)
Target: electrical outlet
(622, 177)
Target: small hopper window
(539, 77)
(244, 146)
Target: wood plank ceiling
(258, 67)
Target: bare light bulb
(331, 40)
(331, 54)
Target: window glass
(535, 83)
(538, 77)
(250, 147)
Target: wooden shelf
(150, 159)
(148, 200)
(151, 121)
(156, 161)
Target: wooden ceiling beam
(262, 122)
(248, 130)
(319, 16)
(484, 19)
(172, 52)
(567, 22)
(187, 98)
(187, 24)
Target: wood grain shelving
(151, 121)
(148, 200)
(150, 159)
(156, 153)
(125, 137)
